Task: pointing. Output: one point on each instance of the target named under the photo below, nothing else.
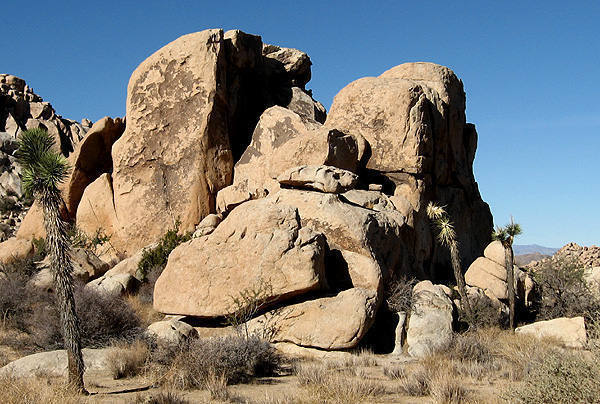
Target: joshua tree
(43, 170)
(447, 238)
(506, 236)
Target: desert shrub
(560, 377)
(483, 314)
(247, 304)
(563, 291)
(128, 360)
(235, 358)
(470, 346)
(103, 320)
(157, 257)
(398, 296)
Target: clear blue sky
(531, 74)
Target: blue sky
(530, 73)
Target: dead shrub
(398, 296)
(128, 360)
(236, 358)
(483, 314)
(103, 320)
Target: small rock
(172, 331)
(321, 178)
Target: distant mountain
(533, 248)
(524, 259)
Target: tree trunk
(460, 280)
(510, 279)
(61, 267)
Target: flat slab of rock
(320, 178)
(259, 243)
(430, 323)
(54, 363)
(569, 331)
(337, 322)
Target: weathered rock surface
(207, 225)
(569, 331)
(320, 178)
(113, 285)
(304, 105)
(430, 323)
(15, 248)
(259, 244)
(337, 322)
(166, 168)
(92, 157)
(172, 331)
(236, 194)
(421, 149)
(488, 275)
(283, 140)
(54, 363)
(86, 267)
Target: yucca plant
(447, 237)
(506, 236)
(43, 171)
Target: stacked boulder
(488, 274)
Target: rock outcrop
(170, 169)
(568, 331)
(587, 257)
(421, 149)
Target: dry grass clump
(128, 360)
(560, 377)
(448, 389)
(336, 387)
(143, 309)
(162, 397)
(360, 358)
(236, 359)
(36, 390)
(394, 372)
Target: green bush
(157, 257)
(563, 291)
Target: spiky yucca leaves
(447, 237)
(506, 236)
(43, 171)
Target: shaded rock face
(421, 149)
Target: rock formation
(223, 137)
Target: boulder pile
(22, 109)
(313, 214)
